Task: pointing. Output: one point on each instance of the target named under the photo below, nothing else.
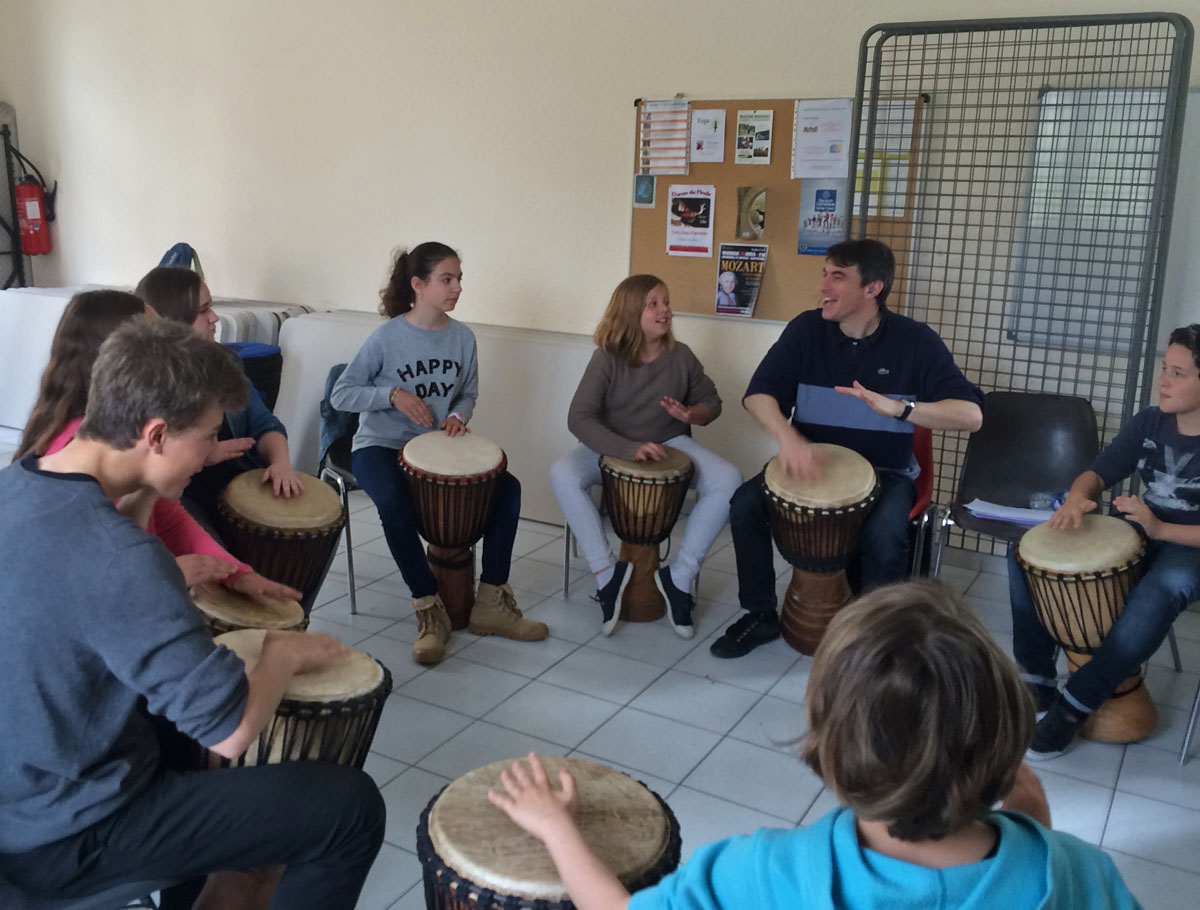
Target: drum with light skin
(475, 858)
(227, 611)
(643, 500)
(452, 481)
(816, 525)
(1078, 580)
(290, 540)
(326, 715)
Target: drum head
(232, 608)
(848, 478)
(619, 818)
(248, 497)
(675, 465)
(452, 456)
(349, 676)
(1101, 543)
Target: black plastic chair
(1030, 442)
(335, 470)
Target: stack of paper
(1029, 517)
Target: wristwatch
(909, 404)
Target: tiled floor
(708, 735)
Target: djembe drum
(475, 858)
(452, 481)
(643, 499)
(326, 715)
(227, 611)
(288, 540)
(1078, 581)
(816, 525)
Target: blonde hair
(916, 717)
(620, 329)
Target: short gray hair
(149, 369)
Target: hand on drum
(455, 427)
(880, 404)
(412, 407)
(1137, 511)
(800, 458)
(254, 584)
(531, 801)
(1070, 514)
(225, 449)
(198, 569)
(308, 650)
(284, 480)
(650, 451)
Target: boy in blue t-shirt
(918, 722)
(1162, 444)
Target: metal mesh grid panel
(1023, 170)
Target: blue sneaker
(609, 597)
(680, 604)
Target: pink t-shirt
(169, 521)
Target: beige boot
(495, 613)
(433, 630)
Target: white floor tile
(1076, 807)
(1098, 763)
(373, 545)
(393, 874)
(773, 723)
(367, 568)
(1159, 832)
(1158, 887)
(825, 803)
(720, 587)
(989, 587)
(601, 675)
(958, 578)
(540, 577)
(704, 818)
(394, 654)
(392, 584)
(345, 634)
(1168, 732)
(462, 686)
(406, 797)
(697, 701)
(656, 745)
(553, 713)
(759, 670)
(409, 730)
(553, 553)
(334, 586)
(1187, 626)
(1175, 690)
(369, 618)
(996, 615)
(567, 619)
(1189, 654)
(413, 899)
(794, 683)
(481, 744)
(1157, 774)
(525, 658)
(382, 769)
(652, 642)
(373, 602)
(759, 778)
(528, 540)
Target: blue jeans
(377, 470)
(1171, 581)
(882, 556)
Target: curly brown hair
(398, 296)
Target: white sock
(604, 576)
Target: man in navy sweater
(855, 374)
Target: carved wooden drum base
(642, 601)
(1128, 716)
(811, 601)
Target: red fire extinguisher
(32, 216)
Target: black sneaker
(754, 629)
(1043, 697)
(1054, 732)
(680, 603)
(609, 597)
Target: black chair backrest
(339, 450)
(1030, 442)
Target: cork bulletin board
(790, 280)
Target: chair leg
(1187, 737)
(330, 476)
(567, 541)
(941, 532)
(1174, 649)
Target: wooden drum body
(227, 611)
(475, 858)
(1078, 581)
(290, 540)
(816, 527)
(452, 481)
(328, 715)
(643, 499)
